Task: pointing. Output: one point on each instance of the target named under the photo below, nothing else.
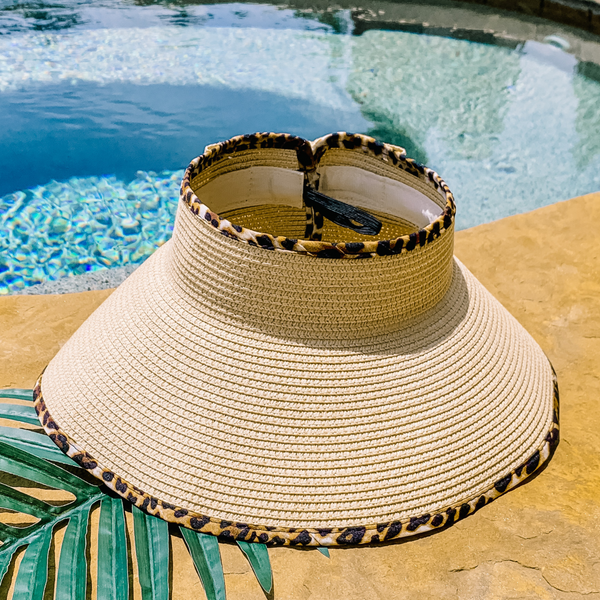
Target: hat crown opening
(273, 169)
(275, 282)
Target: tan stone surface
(541, 541)
(33, 329)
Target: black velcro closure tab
(342, 214)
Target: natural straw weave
(282, 390)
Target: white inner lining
(253, 186)
(376, 192)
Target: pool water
(102, 104)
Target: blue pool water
(102, 104)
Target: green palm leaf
(113, 575)
(33, 572)
(258, 557)
(32, 456)
(23, 464)
(207, 559)
(19, 412)
(72, 569)
(152, 551)
(5, 555)
(38, 444)
(17, 394)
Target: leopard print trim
(288, 536)
(308, 158)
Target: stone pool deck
(583, 14)
(541, 541)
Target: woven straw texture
(291, 222)
(281, 389)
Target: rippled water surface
(103, 104)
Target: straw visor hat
(337, 378)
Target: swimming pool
(102, 104)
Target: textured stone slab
(576, 13)
(541, 541)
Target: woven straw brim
(225, 428)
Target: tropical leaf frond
(258, 557)
(72, 569)
(17, 394)
(205, 553)
(33, 571)
(152, 552)
(19, 412)
(33, 457)
(113, 574)
(35, 443)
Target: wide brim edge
(290, 536)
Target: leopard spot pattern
(308, 157)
